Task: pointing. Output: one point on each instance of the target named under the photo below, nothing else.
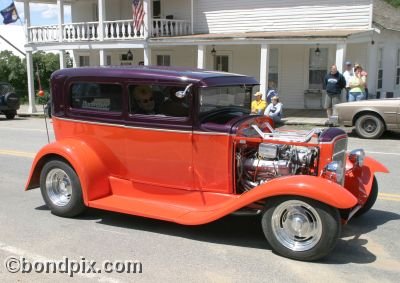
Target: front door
(159, 137)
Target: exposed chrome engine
(257, 165)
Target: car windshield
(214, 98)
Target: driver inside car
(144, 100)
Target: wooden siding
(271, 15)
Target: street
(232, 249)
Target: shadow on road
(355, 250)
(245, 231)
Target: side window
(158, 100)
(95, 96)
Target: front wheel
(301, 228)
(61, 189)
(10, 114)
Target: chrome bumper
(334, 120)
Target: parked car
(9, 101)
(179, 145)
(371, 118)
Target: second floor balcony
(109, 30)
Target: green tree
(395, 3)
(46, 64)
(13, 70)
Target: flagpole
(16, 48)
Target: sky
(41, 14)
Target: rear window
(96, 96)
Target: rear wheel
(10, 114)
(369, 126)
(371, 199)
(61, 189)
(301, 228)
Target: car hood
(371, 102)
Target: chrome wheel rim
(58, 187)
(369, 126)
(296, 225)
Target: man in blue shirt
(334, 82)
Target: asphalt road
(232, 249)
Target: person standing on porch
(258, 105)
(333, 84)
(357, 84)
(348, 74)
(271, 91)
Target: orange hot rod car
(180, 145)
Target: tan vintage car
(369, 117)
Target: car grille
(339, 154)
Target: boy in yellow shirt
(258, 106)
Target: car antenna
(41, 94)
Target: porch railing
(112, 30)
(165, 27)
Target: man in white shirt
(274, 110)
(348, 74)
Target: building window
(108, 60)
(97, 97)
(380, 68)
(273, 66)
(222, 63)
(95, 8)
(398, 68)
(84, 61)
(163, 60)
(156, 9)
(318, 64)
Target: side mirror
(182, 94)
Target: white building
(292, 42)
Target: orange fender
(312, 187)
(87, 164)
(374, 165)
(359, 179)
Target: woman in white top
(274, 109)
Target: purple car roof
(202, 78)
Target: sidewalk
(291, 116)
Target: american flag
(138, 13)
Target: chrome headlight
(357, 157)
(334, 171)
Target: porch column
(102, 14)
(62, 59)
(264, 69)
(372, 68)
(191, 16)
(102, 54)
(201, 58)
(388, 61)
(60, 6)
(340, 56)
(147, 21)
(27, 15)
(31, 87)
(147, 56)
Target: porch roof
(271, 35)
